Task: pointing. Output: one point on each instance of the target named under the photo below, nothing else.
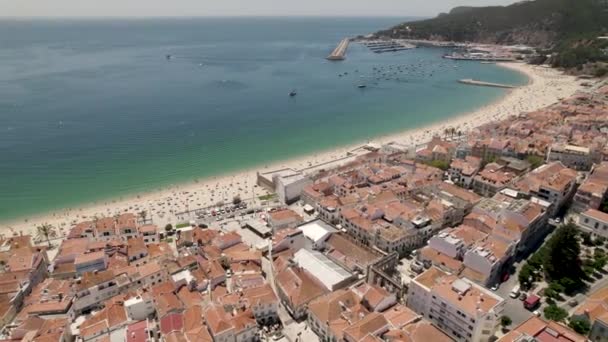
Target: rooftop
(326, 271)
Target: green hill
(567, 27)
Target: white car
(536, 313)
(494, 288)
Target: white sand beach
(546, 87)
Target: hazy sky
(142, 8)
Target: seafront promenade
(339, 52)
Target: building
(537, 329)
(91, 262)
(574, 157)
(487, 260)
(327, 272)
(149, 233)
(289, 187)
(109, 322)
(140, 307)
(96, 287)
(287, 183)
(229, 323)
(595, 310)
(283, 218)
(553, 183)
(295, 288)
(462, 171)
(317, 232)
(593, 191)
(491, 180)
(329, 314)
(463, 310)
(594, 222)
(263, 303)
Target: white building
(574, 157)
(448, 244)
(594, 222)
(139, 308)
(330, 274)
(462, 309)
(486, 260)
(317, 232)
(289, 188)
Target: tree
(440, 164)
(599, 259)
(604, 206)
(225, 262)
(562, 258)
(168, 227)
(526, 275)
(587, 240)
(551, 293)
(143, 214)
(46, 231)
(555, 313)
(557, 287)
(580, 325)
(505, 321)
(535, 161)
(236, 200)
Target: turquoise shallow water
(93, 109)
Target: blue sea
(94, 109)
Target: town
(496, 234)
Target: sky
(156, 8)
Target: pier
(340, 51)
(485, 84)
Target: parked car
(514, 292)
(532, 302)
(523, 296)
(494, 287)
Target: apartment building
(463, 310)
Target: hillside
(555, 25)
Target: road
(514, 308)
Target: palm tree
(46, 231)
(143, 214)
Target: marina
(481, 57)
(339, 52)
(382, 46)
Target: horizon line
(97, 17)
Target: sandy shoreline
(545, 86)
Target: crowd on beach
(546, 86)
